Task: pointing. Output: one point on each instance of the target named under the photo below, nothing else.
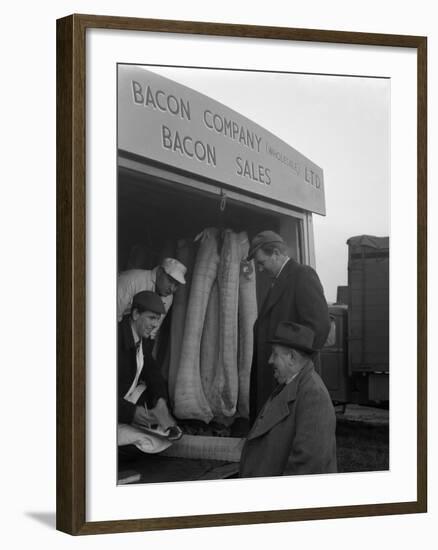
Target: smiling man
(142, 393)
(164, 279)
(294, 432)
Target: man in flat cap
(294, 432)
(142, 393)
(296, 295)
(164, 279)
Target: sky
(341, 123)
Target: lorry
(190, 168)
(355, 358)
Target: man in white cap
(163, 279)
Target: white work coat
(129, 283)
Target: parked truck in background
(355, 358)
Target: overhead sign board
(161, 120)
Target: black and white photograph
(253, 253)
(218, 249)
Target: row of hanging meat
(211, 334)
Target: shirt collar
(135, 335)
(281, 268)
(300, 371)
(289, 380)
(154, 278)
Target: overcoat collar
(127, 336)
(278, 407)
(278, 287)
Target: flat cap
(265, 237)
(146, 300)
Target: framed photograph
(241, 274)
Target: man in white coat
(164, 279)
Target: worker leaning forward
(294, 432)
(296, 295)
(164, 279)
(143, 410)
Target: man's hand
(141, 417)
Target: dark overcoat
(294, 432)
(296, 295)
(127, 369)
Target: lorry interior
(155, 212)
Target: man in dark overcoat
(294, 432)
(296, 295)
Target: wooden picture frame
(71, 272)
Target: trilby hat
(295, 336)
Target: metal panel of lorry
(368, 283)
(334, 368)
(342, 295)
